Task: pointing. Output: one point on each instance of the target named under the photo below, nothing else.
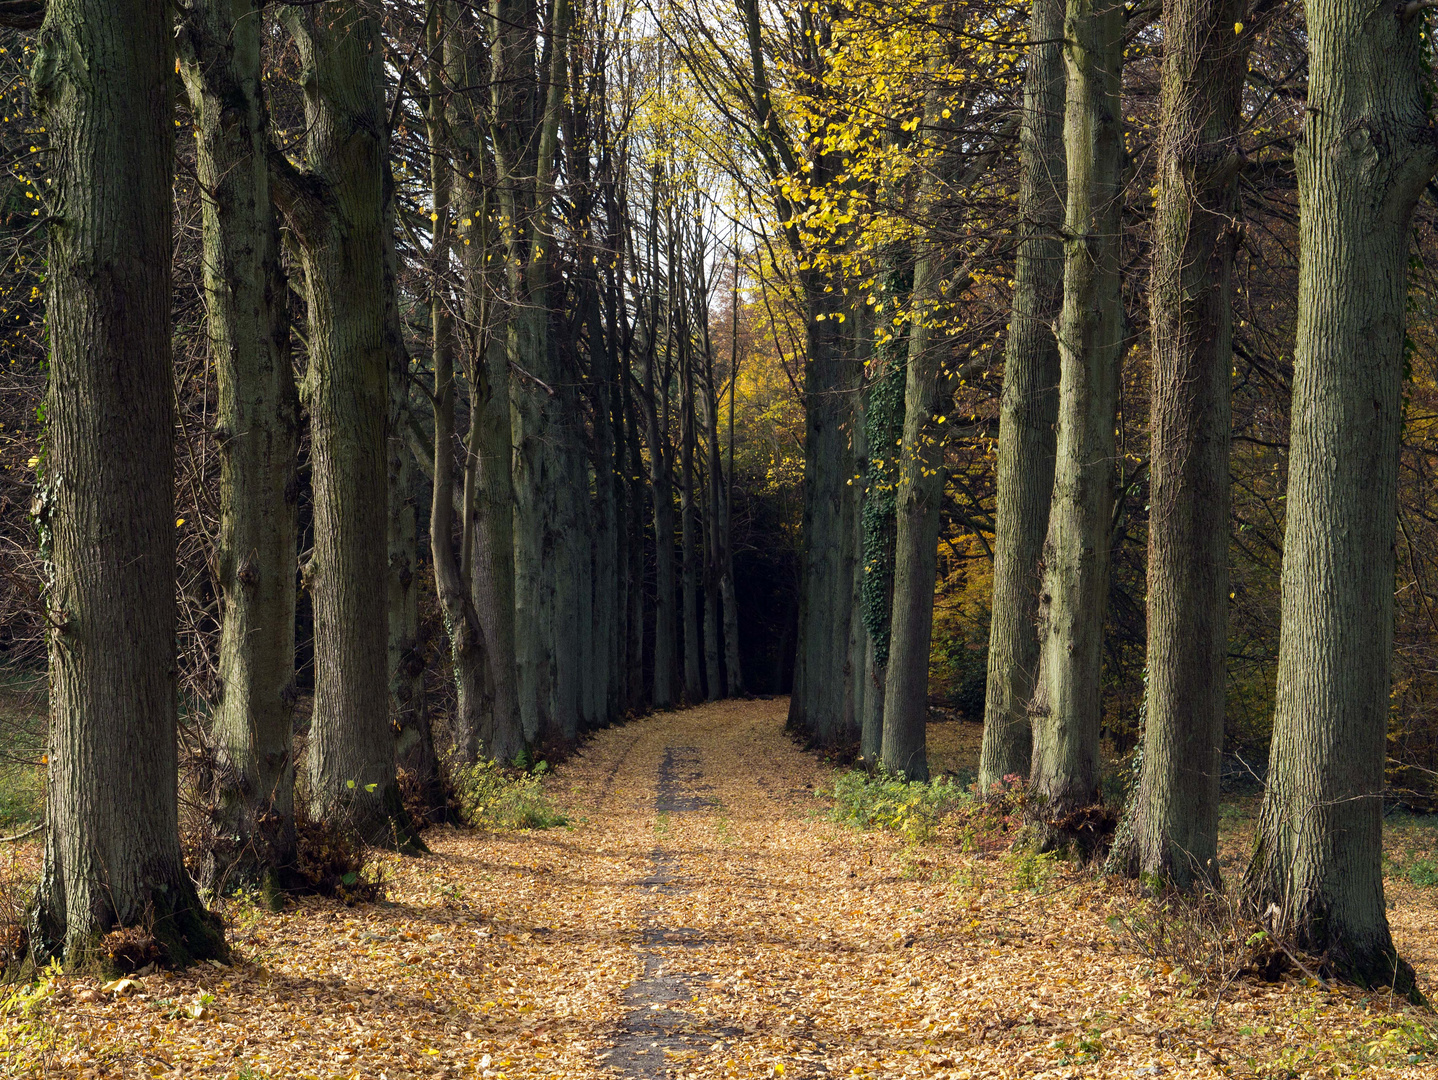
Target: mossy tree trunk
(103, 78)
(337, 210)
(917, 503)
(1173, 817)
(1064, 775)
(248, 321)
(1028, 408)
(1365, 153)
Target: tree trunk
(666, 629)
(467, 646)
(689, 524)
(1066, 702)
(1174, 813)
(821, 663)
(337, 209)
(409, 706)
(249, 328)
(733, 667)
(714, 532)
(1028, 409)
(1365, 153)
(492, 562)
(917, 505)
(883, 435)
(526, 98)
(106, 504)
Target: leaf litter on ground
(808, 948)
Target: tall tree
(1028, 408)
(1366, 151)
(486, 358)
(1072, 601)
(219, 42)
(1172, 831)
(336, 208)
(103, 78)
(454, 589)
(917, 503)
(527, 92)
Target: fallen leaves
(804, 950)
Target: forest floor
(701, 915)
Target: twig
(21, 835)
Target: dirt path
(702, 917)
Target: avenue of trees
(395, 384)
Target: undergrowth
(492, 796)
(884, 800)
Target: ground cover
(702, 914)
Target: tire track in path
(652, 1034)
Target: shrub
(888, 801)
(494, 797)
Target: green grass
(22, 749)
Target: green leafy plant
(888, 801)
(494, 797)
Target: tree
(1172, 831)
(1028, 408)
(1064, 775)
(916, 505)
(336, 208)
(1365, 153)
(490, 446)
(249, 328)
(103, 76)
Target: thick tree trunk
(338, 211)
(917, 506)
(1365, 154)
(249, 328)
(1173, 818)
(102, 77)
(1028, 409)
(883, 436)
(826, 593)
(714, 531)
(1066, 706)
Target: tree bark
(1365, 154)
(491, 532)
(526, 98)
(1066, 704)
(917, 504)
(102, 77)
(1028, 409)
(688, 521)
(826, 593)
(249, 329)
(337, 209)
(1173, 817)
(884, 432)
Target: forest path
(702, 917)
